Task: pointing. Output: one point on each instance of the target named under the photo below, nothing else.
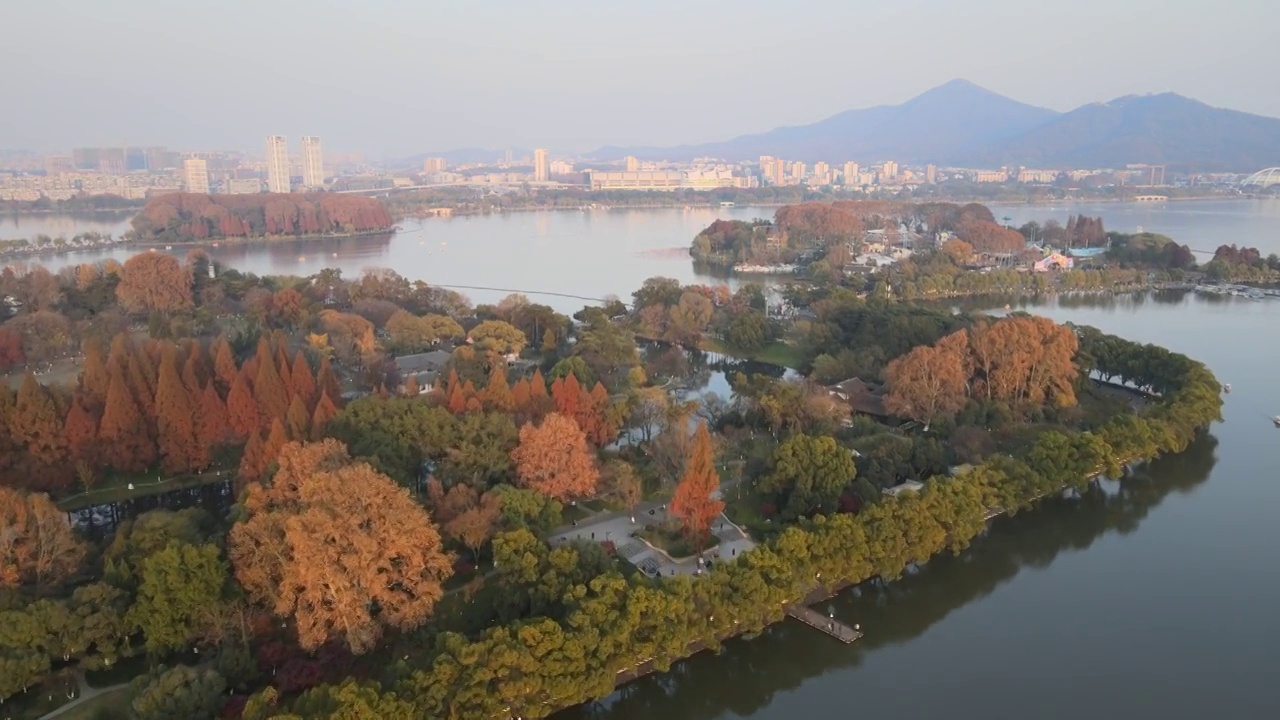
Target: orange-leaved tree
(37, 544)
(339, 548)
(553, 458)
(693, 503)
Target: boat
(1226, 388)
(1276, 420)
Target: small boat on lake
(1226, 388)
(1276, 420)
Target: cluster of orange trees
(192, 216)
(143, 403)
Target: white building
(312, 162)
(277, 164)
(541, 167)
(195, 176)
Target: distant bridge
(520, 291)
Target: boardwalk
(828, 625)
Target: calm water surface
(1157, 598)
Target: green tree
(808, 474)
(181, 585)
(181, 693)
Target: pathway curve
(87, 693)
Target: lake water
(1157, 598)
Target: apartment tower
(541, 166)
(195, 176)
(277, 164)
(312, 162)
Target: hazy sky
(396, 77)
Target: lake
(1149, 598)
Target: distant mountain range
(962, 124)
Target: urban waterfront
(1149, 599)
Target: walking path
(86, 693)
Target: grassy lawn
(114, 704)
(115, 488)
(674, 543)
(574, 512)
(775, 353)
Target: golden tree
(553, 458)
(37, 543)
(928, 382)
(339, 548)
(693, 503)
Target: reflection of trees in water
(747, 675)
(248, 256)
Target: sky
(391, 78)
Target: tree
(474, 526)
(180, 587)
(303, 380)
(125, 441)
(37, 544)
(224, 363)
(297, 420)
(327, 381)
(497, 392)
(242, 409)
(409, 333)
(324, 412)
(809, 474)
(182, 693)
(95, 377)
(339, 548)
(528, 509)
(213, 426)
(927, 383)
(497, 336)
(693, 503)
(81, 432)
(688, 319)
(269, 390)
(154, 282)
(624, 485)
(175, 418)
(253, 461)
(37, 424)
(11, 353)
(554, 459)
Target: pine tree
(81, 431)
(324, 412)
(175, 419)
(297, 421)
(327, 380)
(269, 390)
(242, 409)
(497, 392)
(94, 378)
(224, 364)
(125, 441)
(213, 427)
(37, 425)
(304, 383)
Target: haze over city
(390, 78)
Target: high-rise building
(436, 165)
(822, 173)
(931, 173)
(889, 170)
(195, 176)
(312, 162)
(851, 173)
(779, 171)
(541, 166)
(277, 164)
(633, 165)
(797, 170)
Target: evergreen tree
(175, 419)
(125, 441)
(242, 409)
(302, 381)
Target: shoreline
(149, 245)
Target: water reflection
(747, 675)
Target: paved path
(86, 692)
(619, 529)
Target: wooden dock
(828, 625)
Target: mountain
(1164, 129)
(935, 126)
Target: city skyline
(506, 96)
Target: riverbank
(141, 245)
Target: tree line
(182, 217)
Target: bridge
(549, 293)
(1261, 180)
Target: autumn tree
(554, 459)
(154, 282)
(175, 418)
(297, 420)
(624, 485)
(410, 333)
(498, 336)
(339, 548)
(474, 526)
(253, 461)
(320, 417)
(37, 424)
(37, 544)
(269, 390)
(213, 427)
(927, 383)
(242, 409)
(497, 392)
(81, 432)
(693, 502)
(303, 380)
(125, 440)
(224, 364)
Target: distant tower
(632, 164)
(277, 164)
(931, 174)
(195, 176)
(541, 167)
(851, 173)
(312, 162)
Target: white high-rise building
(195, 176)
(541, 167)
(851, 175)
(312, 162)
(277, 164)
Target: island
(321, 497)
